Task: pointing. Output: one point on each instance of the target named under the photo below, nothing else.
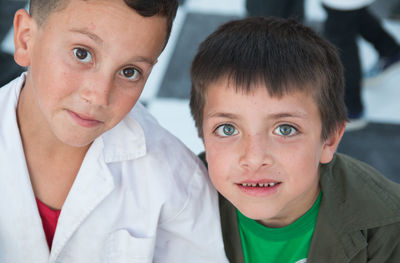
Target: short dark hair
(41, 9)
(281, 54)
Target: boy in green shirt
(267, 99)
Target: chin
(253, 215)
(257, 212)
(76, 142)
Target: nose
(256, 152)
(96, 90)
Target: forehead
(112, 22)
(224, 98)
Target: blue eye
(130, 73)
(82, 55)
(225, 130)
(285, 130)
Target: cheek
(302, 155)
(304, 170)
(48, 93)
(122, 105)
(220, 164)
(299, 161)
(218, 178)
(125, 94)
(305, 163)
(214, 154)
(54, 81)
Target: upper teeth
(260, 184)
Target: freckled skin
(275, 140)
(58, 82)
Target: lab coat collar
(92, 185)
(126, 141)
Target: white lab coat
(140, 196)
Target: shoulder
(141, 144)
(362, 196)
(12, 88)
(9, 95)
(345, 169)
(359, 213)
(171, 170)
(163, 145)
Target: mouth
(259, 184)
(259, 189)
(84, 120)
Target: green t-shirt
(288, 244)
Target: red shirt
(49, 220)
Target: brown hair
(283, 54)
(41, 9)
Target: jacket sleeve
(194, 234)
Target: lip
(258, 191)
(83, 120)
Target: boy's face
(88, 64)
(263, 153)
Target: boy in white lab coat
(83, 177)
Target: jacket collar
(353, 188)
(230, 231)
(330, 242)
(349, 189)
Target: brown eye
(130, 73)
(82, 55)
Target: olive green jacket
(358, 220)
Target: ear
(24, 26)
(331, 144)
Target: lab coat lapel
(21, 230)
(92, 184)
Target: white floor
(381, 97)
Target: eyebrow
(89, 34)
(296, 114)
(279, 115)
(222, 115)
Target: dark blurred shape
(283, 8)
(7, 10)
(395, 11)
(378, 145)
(8, 68)
(197, 27)
(342, 28)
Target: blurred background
(166, 94)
